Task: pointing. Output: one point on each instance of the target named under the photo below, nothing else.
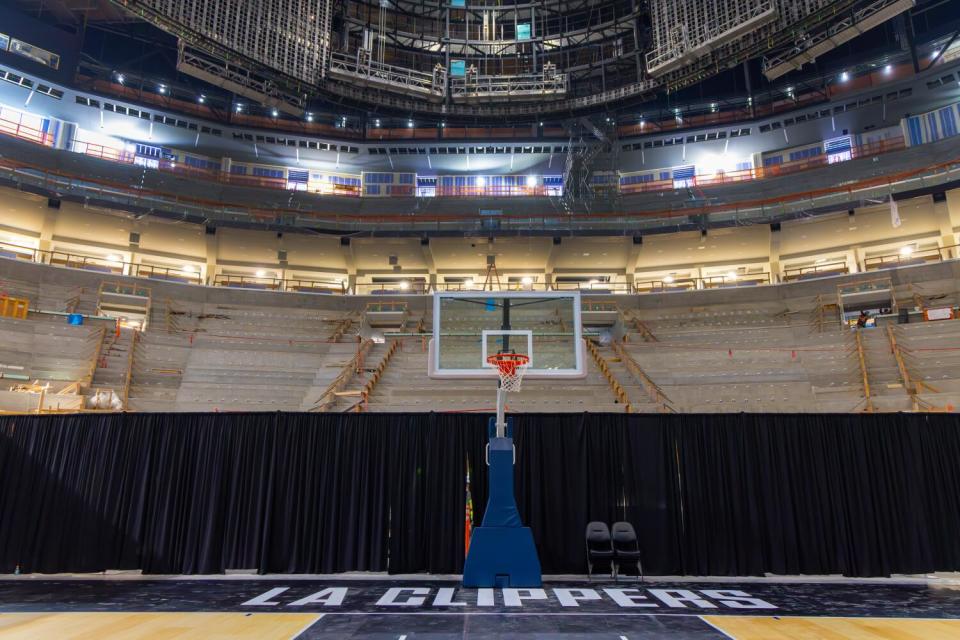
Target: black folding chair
(626, 548)
(599, 546)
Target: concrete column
(213, 254)
(46, 230)
(947, 214)
(855, 260)
(774, 264)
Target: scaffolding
(684, 30)
(290, 36)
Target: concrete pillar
(774, 264)
(213, 253)
(855, 260)
(46, 230)
(946, 212)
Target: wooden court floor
(157, 625)
(812, 628)
(284, 626)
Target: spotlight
(469, 282)
(410, 124)
(481, 181)
(731, 275)
(404, 285)
(114, 258)
(239, 108)
(120, 78)
(202, 99)
(309, 117)
(162, 89)
(531, 181)
(274, 113)
(376, 123)
(260, 273)
(844, 76)
(668, 279)
(526, 280)
(906, 251)
(887, 69)
(188, 268)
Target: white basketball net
(511, 371)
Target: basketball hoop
(511, 367)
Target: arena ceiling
(523, 60)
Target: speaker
(774, 226)
(210, 231)
(134, 239)
(903, 316)
(282, 255)
(851, 213)
(344, 242)
(394, 260)
(491, 260)
(940, 196)
(637, 239)
(53, 203)
(424, 242)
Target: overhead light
(202, 99)
(887, 69)
(668, 279)
(481, 181)
(188, 268)
(541, 124)
(309, 117)
(526, 280)
(906, 251)
(376, 123)
(404, 285)
(162, 89)
(274, 113)
(844, 76)
(260, 273)
(731, 275)
(531, 181)
(469, 282)
(120, 78)
(443, 125)
(239, 108)
(410, 124)
(114, 258)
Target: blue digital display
(458, 3)
(523, 31)
(458, 68)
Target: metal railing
(921, 256)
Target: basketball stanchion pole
(502, 552)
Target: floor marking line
(307, 626)
(718, 629)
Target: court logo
(423, 597)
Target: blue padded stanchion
(502, 552)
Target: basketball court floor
(288, 607)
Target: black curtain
(736, 494)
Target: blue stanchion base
(502, 557)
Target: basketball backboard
(468, 326)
